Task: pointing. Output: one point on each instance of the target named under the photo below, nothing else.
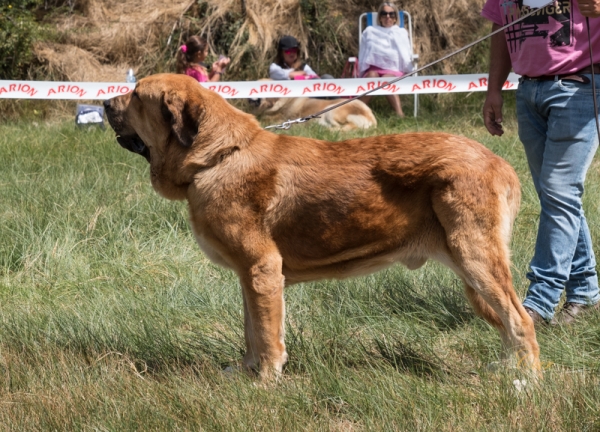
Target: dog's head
(180, 127)
(254, 102)
(163, 109)
(264, 106)
(260, 106)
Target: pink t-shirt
(551, 42)
(198, 73)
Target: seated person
(190, 58)
(288, 66)
(385, 51)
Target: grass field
(112, 319)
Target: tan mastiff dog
(353, 115)
(280, 209)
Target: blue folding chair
(370, 18)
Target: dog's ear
(183, 116)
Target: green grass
(112, 319)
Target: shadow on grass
(446, 307)
(148, 341)
(405, 358)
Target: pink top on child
(198, 73)
(551, 42)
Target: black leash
(289, 123)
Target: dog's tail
(510, 198)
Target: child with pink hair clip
(190, 61)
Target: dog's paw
(233, 370)
(240, 370)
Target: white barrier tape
(262, 89)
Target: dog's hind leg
(476, 238)
(264, 315)
(488, 281)
(483, 309)
(517, 331)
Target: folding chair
(370, 18)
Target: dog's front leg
(264, 314)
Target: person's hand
(589, 8)
(220, 65)
(492, 113)
(223, 62)
(216, 68)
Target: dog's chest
(210, 250)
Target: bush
(18, 31)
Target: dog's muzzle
(134, 144)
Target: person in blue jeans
(556, 120)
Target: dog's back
(390, 192)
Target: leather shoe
(538, 320)
(571, 311)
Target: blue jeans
(558, 130)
